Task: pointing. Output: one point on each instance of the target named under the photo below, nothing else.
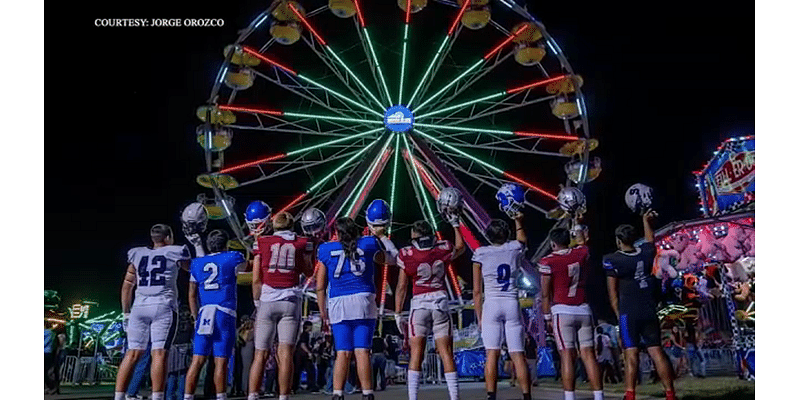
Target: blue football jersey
(345, 276)
(215, 276)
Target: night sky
(663, 85)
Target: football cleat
(378, 213)
(256, 217)
(194, 219)
(312, 222)
(511, 199)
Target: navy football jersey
(636, 280)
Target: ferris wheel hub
(398, 119)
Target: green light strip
(339, 95)
(471, 157)
(378, 66)
(316, 146)
(368, 176)
(394, 176)
(361, 180)
(464, 104)
(422, 189)
(464, 129)
(428, 71)
(453, 82)
(403, 64)
(339, 168)
(332, 118)
(358, 81)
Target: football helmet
(378, 213)
(571, 200)
(639, 198)
(511, 198)
(312, 222)
(256, 217)
(449, 205)
(194, 219)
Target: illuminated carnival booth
(707, 265)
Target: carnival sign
(728, 181)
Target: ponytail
(348, 234)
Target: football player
(563, 276)
(346, 298)
(425, 263)
(379, 217)
(280, 259)
(495, 269)
(153, 317)
(213, 280)
(630, 289)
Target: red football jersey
(569, 270)
(426, 267)
(283, 259)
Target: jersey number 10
(282, 257)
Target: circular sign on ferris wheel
(398, 119)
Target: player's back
(157, 273)
(345, 275)
(634, 270)
(215, 276)
(283, 259)
(569, 269)
(500, 266)
(426, 266)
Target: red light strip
(547, 136)
(295, 201)
(458, 17)
(308, 26)
(505, 42)
(408, 11)
(268, 60)
(383, 287)
(251, 110)
(252, 163)
(528, 184)
(535, 84)
(358, 13)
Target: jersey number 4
(156, 274)
(282, 257)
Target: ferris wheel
(326, 102)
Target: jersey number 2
(156, 274)
(210, 283)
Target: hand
(194, 239)
(326, 324)
(402, 324)
(125, 318)
(453, 219)
(549, 326)
(378, 230)
(650, 214)
(518, 216)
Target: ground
(718, 388)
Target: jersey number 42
(155, 274)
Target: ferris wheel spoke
(471, 79)
(497, 170)
(304, 165)
(369, 180)
(441, 53)
(372, 58)
(499, 144)
(276, 115)
(330, 51)
(493, 109)
(418, 185)
(394, 176)
(499, 132)
(476, 66)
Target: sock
(366, 392)
(157, 396)
(119, 395)
(452, 384)
(598, 394)
(413, 384)
(188, 397)
(569, 395)
(670, 395)
(336, 393)
(526, 396)
(491, 396)
(222, 396)
(629, 395)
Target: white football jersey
(157, 273)
(500, 266)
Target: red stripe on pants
(557, 328)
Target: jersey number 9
(504, 276)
